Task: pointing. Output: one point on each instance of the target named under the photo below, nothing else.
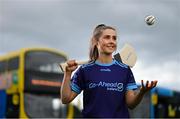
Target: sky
(67, 25)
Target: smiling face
(107, 42)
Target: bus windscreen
(42, 72)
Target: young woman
(108, 86)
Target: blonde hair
(93, 51)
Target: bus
(30, 81)
(158, 103)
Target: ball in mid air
(150, 20)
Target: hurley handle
(64, 65)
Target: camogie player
(108, 85)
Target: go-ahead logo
(109, 86)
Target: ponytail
(93, 54)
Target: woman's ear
(97, 44)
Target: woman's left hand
(148, 86)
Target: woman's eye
(107, 37)
(114, 38)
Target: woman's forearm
(65, 88)
(134, 98)
(67, 95)
(138, 97)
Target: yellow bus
(30, 81)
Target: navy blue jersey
(104, 87)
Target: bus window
(42, 72)
(44, 61)
(160, 110)
(42, 84)
(167, 106)
(3, 67)
(13, 64)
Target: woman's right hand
(71, 66)
(67, 95)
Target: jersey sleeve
(77, 81)
(131, 83)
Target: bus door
(12, 91)
(3, 85)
